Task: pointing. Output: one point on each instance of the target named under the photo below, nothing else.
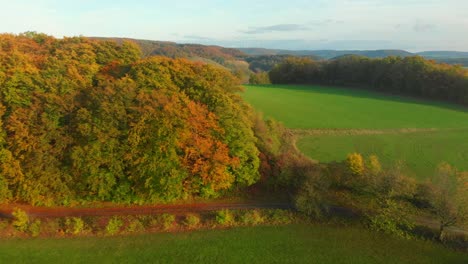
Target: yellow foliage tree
(355, 164)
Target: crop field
(332, 122)
(283, 244)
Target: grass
(329, 107)
(341, 109)
(420, 152)
(283, 244)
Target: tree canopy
(414, 76)
(89, 120)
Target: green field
(338, 121)
(328, 107)
(284, 244)
(419, 152)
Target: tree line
(413, 76)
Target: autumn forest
(90, 120)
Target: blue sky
(413, 25)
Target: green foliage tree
(414, 76)
(295, 70)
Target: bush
(225, 217)
(252, 217)
(114, 225)
(393, 183)
(310, 196)
(280, 217)
(52, 227)
(135, 226)
(167, 221)
(374, 168)
(21, 221)
(191, 220)
(35, 228)
(392, 218)
(355, 164)
(74, 225)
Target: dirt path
(43, 212)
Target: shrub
(74, 225)
(225, 217)
(167, 221)
(21, 221)
(373, 165)
(35, 228)
(135, 226)
(355, 164)
(394, 183)
(278, 217)
(52, 227)
(114, 225)
(191, 220)
(252, 217)
(309, 199)
(392, 218)
(145, 219)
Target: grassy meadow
(419, 153)
(263, 244)
(341, 121)
(322, 107)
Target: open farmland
(330, 107)
(332, 122)
(283, 244)
(418, 153)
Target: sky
(413, 25)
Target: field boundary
(340, 131)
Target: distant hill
(449, 57)
(175, 50)
(327, 54)
(263, 59)
(444, 54)
(231, 59)
(267, 62)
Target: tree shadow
(359, 92)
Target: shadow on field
(359, 92)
